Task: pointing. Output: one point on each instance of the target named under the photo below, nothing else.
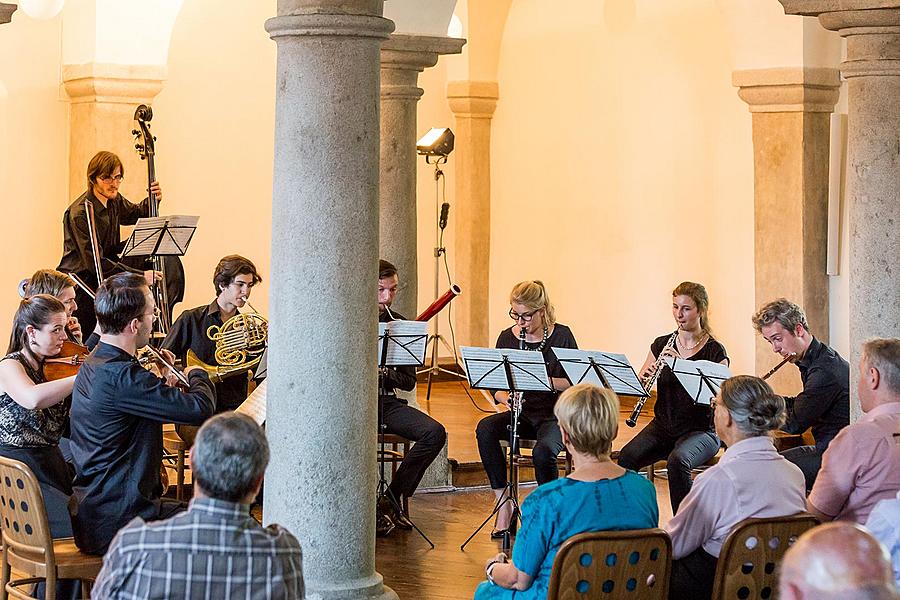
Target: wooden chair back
(612, 565)
(748, 562)
(23, 517)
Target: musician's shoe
(383, 524)
(397, 517)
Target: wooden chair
(563, 461)
(395, 449)
(611, 565)
(27, 544)
(748, 562)
(174, 458)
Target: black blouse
(21, 427)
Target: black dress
(536, 421)
(32, 437)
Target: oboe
(648, 384)
(786, 360)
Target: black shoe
(383, 524)
(399, 520)
(496, 534)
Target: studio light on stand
(435, 146)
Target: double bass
(171, 290)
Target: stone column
(473, 104)
(403, 57)
(6, 12)
(791, 110)
(872, 70)
(322, 383)
(103, 98)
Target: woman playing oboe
(681, 430)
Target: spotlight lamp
(438, 142)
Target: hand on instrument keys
(156, 190)
(164, 372)
(74, 327)
(502, 398)
(152, 277)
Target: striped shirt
(214, 550)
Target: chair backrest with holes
(23, 517)
(612, 564)
(748, 562)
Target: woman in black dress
(32, 411)
(532, 311)
(681, 430)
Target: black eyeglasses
(527, 317)
(118, 178)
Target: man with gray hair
(862, 464)
(836, 561)
(824, 403)
(215, 549)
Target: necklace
(699, 341)
(543, 341)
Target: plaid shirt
(215, 550)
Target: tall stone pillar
(6, 12)
(872, 70)
(403, 57)
(322, 382)
(791, 127)
(473, 104)
(103, 99)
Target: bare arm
(506, 575)
(28, 394)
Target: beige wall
(33, 160)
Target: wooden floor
(409, 566)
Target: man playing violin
(118, 409)
(104, 176)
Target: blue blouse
(556, 511)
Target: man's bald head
(837, 560)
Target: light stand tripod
(384, 490)
(436, 338)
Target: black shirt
(675, 409)
(118, 409)
(189, 331)
(538, 406)
(397, 378)
(824, 403)
(77, 254)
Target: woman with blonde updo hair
(680, 430)
(531, 310)
(750, 480)
(597, 496)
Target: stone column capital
(114, 84)
(6, 12)
(473, 99)
(788, 89)
(329, 25)
(404, 56)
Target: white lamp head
(41, 9)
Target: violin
(67, 362)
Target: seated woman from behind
(599, 495)
(750, 480)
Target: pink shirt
(750, 480)
(861, 466)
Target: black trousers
(429, 437)
(809, 459)
(683, 453)
(692, 576)
(544, 430)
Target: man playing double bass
(111, 209)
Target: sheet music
(255, 404)
(406, 343)
(615, 368)
(172, 234)
(485, 369)
(691, 374)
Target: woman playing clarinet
(681, 430)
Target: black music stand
(400, 344)
(516, 371)
(604, 369)
(701, 379)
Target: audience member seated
(215, 549)
(884, 524)
(862, 464)
(598, 495)
(836, 561)
(750, 480)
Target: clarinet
(516, 397)
(651, 379)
